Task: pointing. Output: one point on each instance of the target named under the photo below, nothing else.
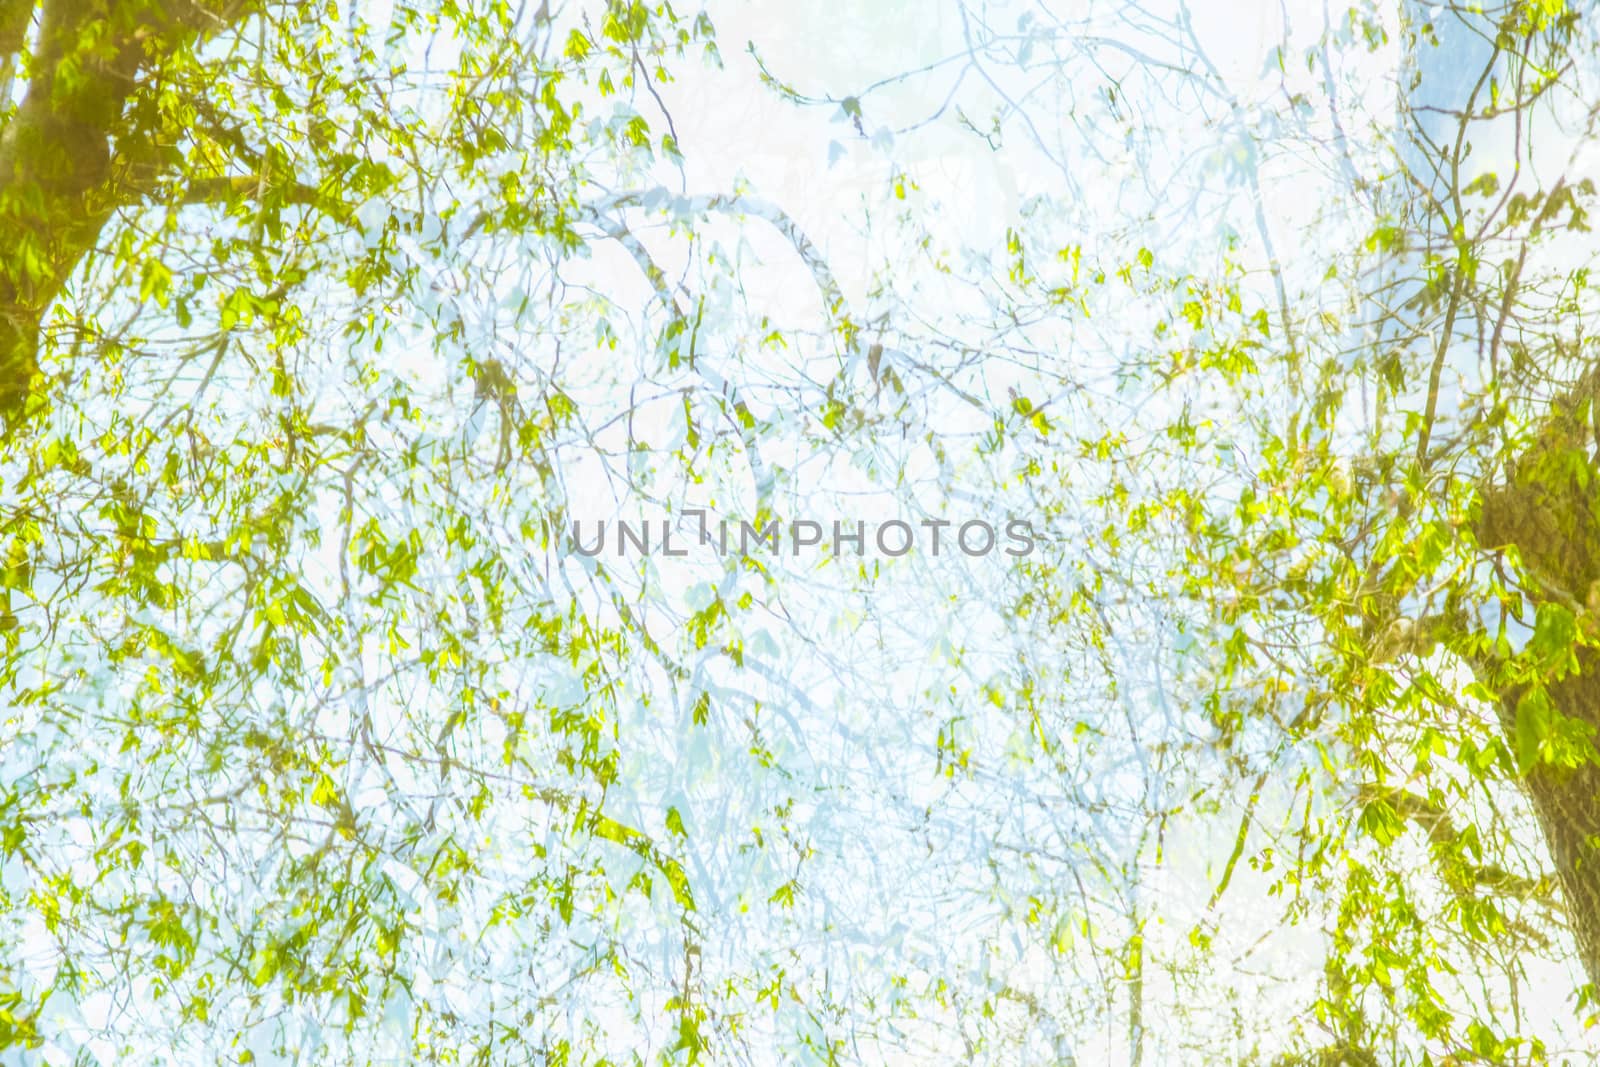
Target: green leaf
(1533, 718)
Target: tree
(1356, 480)
(1400, 579)
(231, 563)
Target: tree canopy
(324, 327)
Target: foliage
(323, 323)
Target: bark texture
(76, 148)
(1549, 509)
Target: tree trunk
(1549, 509)
(71, 152)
